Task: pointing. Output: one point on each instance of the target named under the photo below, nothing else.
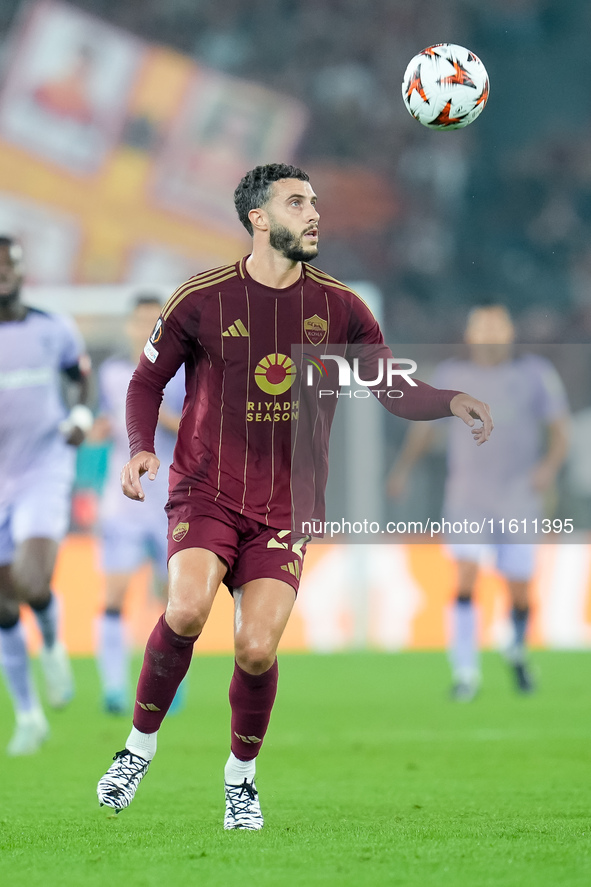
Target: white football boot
(243, 810)
(118, 786)
(30, 732)
(57, 671)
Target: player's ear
(258, 219)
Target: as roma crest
(315, 328)
(180, 531)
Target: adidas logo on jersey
(236, 329)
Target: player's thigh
(265, 579)
(203, 543)
(116, 585)
(42, 508)
(262, 608)
(9, 601)
(468, 557)
(32, 568)
(516, 561)
(194, 576)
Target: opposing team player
(38, 351)
(507, 481)
(129, 535)
(250, 462)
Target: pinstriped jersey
(253, 435)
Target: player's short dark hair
(146, 299)
(255, 187)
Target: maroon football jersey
(254, 432)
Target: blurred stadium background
(124, 128)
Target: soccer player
(507, 481)
(236, 504)
(130, 535)
(39, 352)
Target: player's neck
(272, 269)
(11, 308)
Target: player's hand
(468, 409)
(142, 463)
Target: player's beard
(9, 299)
(289, 245)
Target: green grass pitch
(369, 776)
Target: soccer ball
(445, 86)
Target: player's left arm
(545, 472)
(80, 419)
(419, 401)
(76, 369)
(551, 405)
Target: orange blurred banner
(388, 597)
(118, 158)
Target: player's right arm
(140, 464)
(165, 351)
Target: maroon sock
(166, 662)
(251, 699)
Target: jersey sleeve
(165, 351)
(418, 402)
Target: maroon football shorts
(250, 549)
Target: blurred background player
(129, 535)
(507, 479)
(39, 353)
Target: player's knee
(32, 584)
(9, 613)
(185, 619)
(115, 595)
(254, 656)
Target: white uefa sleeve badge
(151, 352)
